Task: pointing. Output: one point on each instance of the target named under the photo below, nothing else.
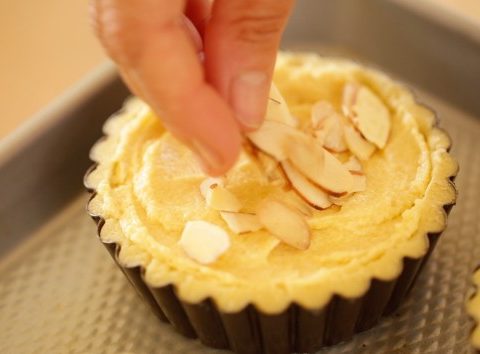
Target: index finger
(149, 42)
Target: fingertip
(217, 160)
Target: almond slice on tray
(204, 242)
(368, 113)
(357, 144)
(241, 222)
(277, 108)
(309, 191)
(220, 198)
(285, 223)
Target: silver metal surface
(61, 293)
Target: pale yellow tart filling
(473, 308)
(147, 187)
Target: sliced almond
(210, 183)
(272, 136)
(356, 144)
(285, 223)
(268, 164)
(321, 111)
(241, 222)
(372, 117)
(317, 164)
(220, 198)
(295, 201)
(271, 168)
(277, 108)
(334, 139)
(349, 97)
(204, 242)
(309, 191)
(359, 185)
(339, 200)
(354, 166)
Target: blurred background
(46, 46)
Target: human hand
(204, 67)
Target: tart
(321, 227)
(473, 309)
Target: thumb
(241, 45)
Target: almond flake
(277, 108)
(271, 138)
(372, 117)
(339, 200)
(210, 183)
(295, 201)
(349, 97)
(357, 144)
(285, 223)
(334, 139)
(220, 198)
(321, 111)
(241, 222)
(309, 191)
(318, 165)
(354, 166)
(204, 242)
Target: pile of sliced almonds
(310, 165)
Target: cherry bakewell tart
(320, 228)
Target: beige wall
(47, 45)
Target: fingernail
(210, 159)
(248, 97)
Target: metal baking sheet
(61, 293)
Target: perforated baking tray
(60, 291)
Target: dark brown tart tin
(296, 329)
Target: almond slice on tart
(354, 166)
(210, 183)
(368, 113)
(373, 117)
(321, 111)
(221, 199)
(284, 223)
(204, 242)
(357, 144)
(241, 222)
(334, 137)
(318, 165)
(271, 138)
(277, 108)
(294, 200)
(313, 194)
(349, 96)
